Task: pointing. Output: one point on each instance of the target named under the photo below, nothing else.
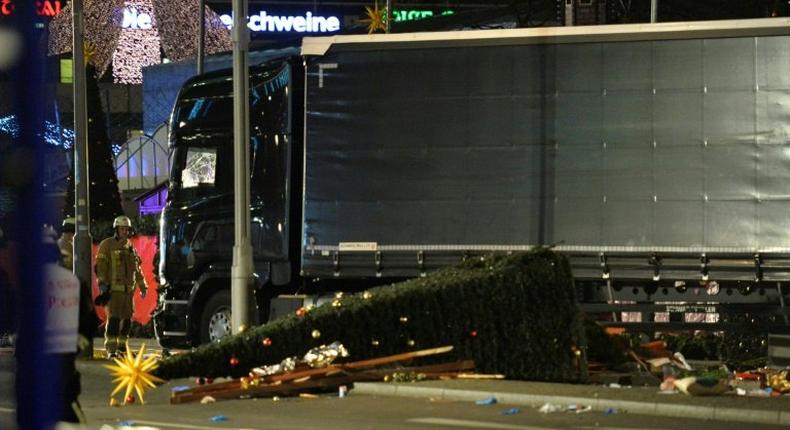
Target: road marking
(477, 424)
(186, 426)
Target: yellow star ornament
(89, 52)
(376, 18)
(132, 372)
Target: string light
(54, 134)
(172, 28)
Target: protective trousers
(119, 321)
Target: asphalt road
(329, 412)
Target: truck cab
(196, 232)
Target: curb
(598, 404)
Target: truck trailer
(655, 156)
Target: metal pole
(201, 36)
(241, 272)
(82, 235)
(389, 16)
(653, 10)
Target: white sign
(133, 19)
(357, 246)
(281, 24)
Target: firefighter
(119, 273)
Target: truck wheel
(215, 322)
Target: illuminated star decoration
(169, 24)
(376, 18)
(132, 372)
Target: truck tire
(215, 320)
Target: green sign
(415, 14)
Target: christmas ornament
(404, 320)
(234, 361)
(376, 18)
(209, 380)
(132, 372)
(267, 342)
(410, 342)
(200, 381)
(367, 295)
(473, 333)
(339, 295)
(374, 342)
(300, 312)
(129, 399)
(336, 303)
(316, 334)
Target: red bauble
(130, 398)
(200, 381)
(300, 312)
(234, 361)
(267, 342)
(473, 333)
(209, 380)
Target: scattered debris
(511, 411)
(701, 386)
(611, 411)
(207, 399)
(549, 408)
(480, 376)
(578, 409)
(218, 419)
(301, 378)
(487, 401)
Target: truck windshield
(202, 136)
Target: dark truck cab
(655, 157)
(197, 234)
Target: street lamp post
(241, 271)
(82, 236)
(653, 10)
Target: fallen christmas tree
(515, 315)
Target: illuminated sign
(281, 24)
(413, 15)
(136, 20)
(48, 8)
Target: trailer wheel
(215, 321)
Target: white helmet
(122, 221)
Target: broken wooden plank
(304, 384)
(309, 373)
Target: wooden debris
(307, 380)
(303, 371)
(480, 376)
